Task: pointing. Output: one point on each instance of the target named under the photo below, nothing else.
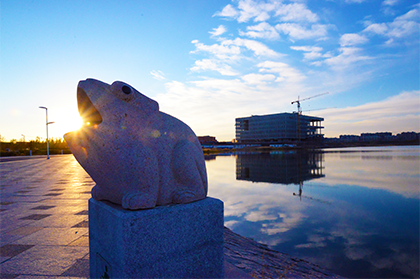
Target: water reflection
(361, 220)
(277, 167)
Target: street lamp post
(47, 123)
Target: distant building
(207, 140)
(378, 136)
(349, 138)
(408, 136)
(278, 128)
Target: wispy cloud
(401, 27)
(208, 64)
(285, 72)
(347, 57)
(352, 39)
(394, 114)
(389, 2)
(158, 75)
(298, 32)
(218, 31)
(311, 52)
(262, 30)
(296, 12)
(354, 1)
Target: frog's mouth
(87, 110)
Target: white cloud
(352, 39)
(390, 2)
(378, 28)
(347, 57)
(258, 79)
(195, 104)
(413, 14)
(258, 48)
(262, 30)
(306, 48)
(254, 9)
(218, 31)
(310, 52)
(401, 27)
(158, 75)
(208, 64)
(228, 11)
(262, 10)
(296, 12)
(297, 31)
(224, 50)
(394, 114)
(231, 49)
(248, 9)
(354, 1)
(285, 71)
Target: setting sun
(72, 124)
(66, 121)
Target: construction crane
(300, 110)
(309, 197)
(300, 100)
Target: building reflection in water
(280, 167)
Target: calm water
(354, 211)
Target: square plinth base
(177, 241)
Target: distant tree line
(36, 147)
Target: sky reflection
(361, 220)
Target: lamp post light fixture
(47, 123)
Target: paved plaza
(44, 218)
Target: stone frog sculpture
(138, 156)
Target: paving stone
(82, 241)
(8, 276)
(35, 217)
(24, 231)
(53, 194)
(53, 236)
(44, 260)
(6, 203)
(11, 250)
(79, 269)
(7, 226)
(43, 207)
(84, 224)
(84, 212)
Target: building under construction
(279, 128)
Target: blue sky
(208, 62)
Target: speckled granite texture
(177, 241)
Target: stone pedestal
(177, 241)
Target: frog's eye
(126, 89)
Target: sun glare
(71, 124)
